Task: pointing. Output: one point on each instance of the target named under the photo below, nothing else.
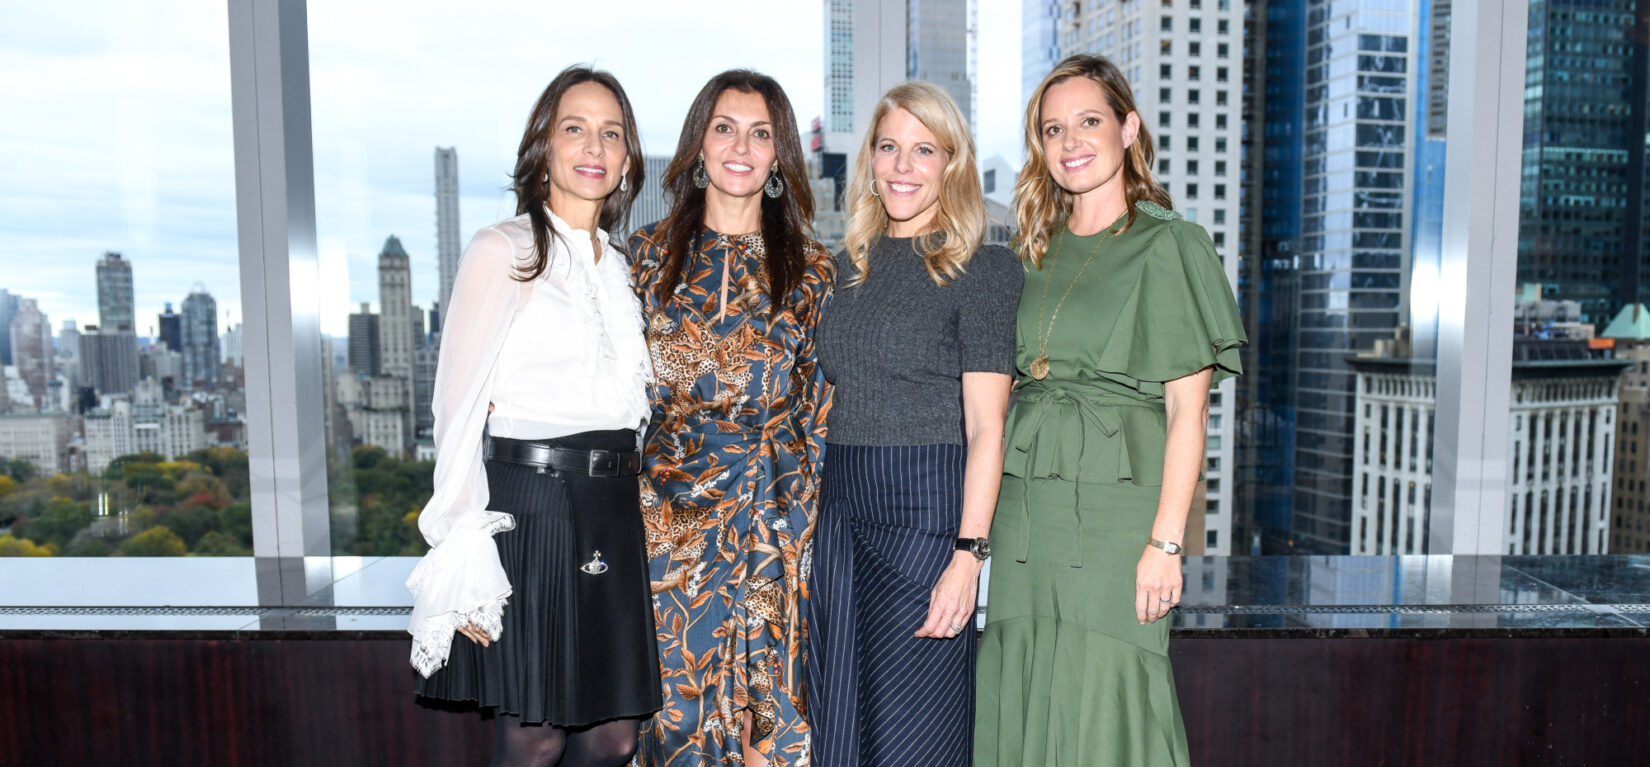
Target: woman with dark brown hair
(1126, 319)
(732, 286)
(535, 501)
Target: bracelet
(1167, 546)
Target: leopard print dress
(729, 493)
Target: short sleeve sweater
(896, 346)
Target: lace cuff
(458, 582)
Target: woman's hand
(475, 634)
(1157, 582)
(954, 600)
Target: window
(1220, 98)
(1220, 144)
(1164, 119)
(1165, 72)
(1220, 191)
(1191, 119)
(1192, 96)
(1194, 49)
(1223, 50)
(1163, 142)
(1166, 24)
(1194, 25)
(1163, 167)
(1191, 191)
(1165, 95)
(1191, 167)
(1220, 121)
(1220, 74)
(1220, 167)
(1193, 72)
(1191, 143)
(1222, 26)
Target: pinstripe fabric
(877, 695)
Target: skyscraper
(395, 331)
(938, 34)
(32, 352)
(650, 204)
(8, 307)
(109, 359)
(365, 358)
(171, 329)
(1187, 73)
(200, 339)
(1039, 43)
(114, 293)
(1580, 229)
(1354, 242)
(447, 232)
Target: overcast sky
(118, 130)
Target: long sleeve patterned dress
(729, 493)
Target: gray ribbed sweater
(896, 346)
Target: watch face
(982, 548)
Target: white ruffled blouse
(561, 354)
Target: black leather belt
(595, 463)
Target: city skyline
(169, 206)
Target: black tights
(518, 744)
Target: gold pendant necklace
(1039, 365)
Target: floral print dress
(729, 493)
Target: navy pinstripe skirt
(887, 529)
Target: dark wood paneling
(1408, 701)
(182, 702)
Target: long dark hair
(786, 220)
(533, 163)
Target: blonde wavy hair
(1040, 205)
(959, 225)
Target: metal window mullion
(1486, 109)
(275, 209)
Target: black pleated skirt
(578, 648)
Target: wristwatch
(1166, 546)
(979, 547)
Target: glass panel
(120, 316)
(1580, 327)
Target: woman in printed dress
(732, 285)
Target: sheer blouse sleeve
(460, 580)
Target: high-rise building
(32, 350)
(142, 422)
(1039, 43)
(447, 231)
(114, 293)
(200, 339)
(41, 439)
(424, 365)
(171, 329)
(231, 345)
(1630, 501)
(109, 360)
(68, 353)
(939, 47)
(8, 307)
(1581, 194)
(1559, 448)
(1357, 164)
(1186, 68)
(365, 356)
(650, 205)
(395, 331)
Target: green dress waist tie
(1074, 430)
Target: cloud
(120, 134)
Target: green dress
(1066, 675)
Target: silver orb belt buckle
(596, 565)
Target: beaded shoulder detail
(1156, 211)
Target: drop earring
(700, 178)
(775, 185)
(624, 184)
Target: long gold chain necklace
(1039, 366)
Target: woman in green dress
(1125, 322)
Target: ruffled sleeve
(1180, 318)
(460, 580)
